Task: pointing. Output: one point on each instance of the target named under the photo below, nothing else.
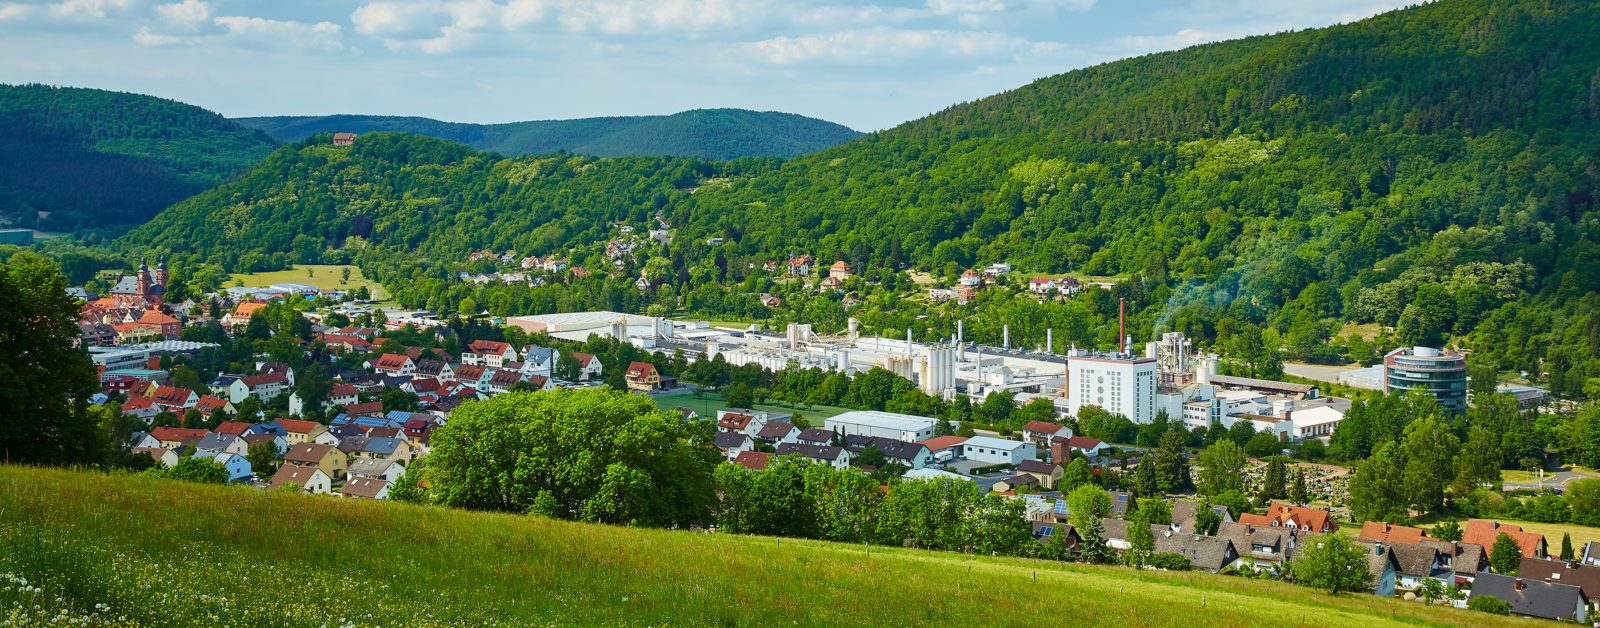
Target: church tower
(143, 277)
(161, 273)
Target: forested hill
(1431, 169)
(704, 133)
(72, 157)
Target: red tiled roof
(1043, 427)
(753, 460)
(1484, 532)
(470, 373)
(177, 434)
(1280, 515)
(582, 358)
(941, 443)
(1391, 533)
(391, 361)
(1084, 442)
(209, 404)
(641, 369)
(233, 428)
(484, 347)
(257, 381)
(343, 390)
(371, 407)
(296, 426)
(735, 421)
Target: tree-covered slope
(72, 157)
(1430, 169)
(703, 133)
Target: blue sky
(869, 65)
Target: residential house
(163, 457)
(474, 376)
(832, 283)
(1484, 532)
(775, 432)
(310, 479)
(1591, 553)
(1534, 598)
(1061, 449)
(815, 436)
(1259, 547)
(1206, 553)
(1586, 577)
(589, 366)
(1042, 285)
(768, 300)
(1045, 531)
(237, 465)
(326, 458)
(731, 444)
(1046, 473)
(1185, 514)
(747, 423)
(488, 353)
(177, 437)
(971, 279)
(840, 270)
(1391, 533)
(279, 445)
(912, 455)
(240, 317)
(754, 460)
(217, 444)
(1291, 516)
(394, 364)
(386, 448)
(1040, 432)
(383, 469)
(298, 432)
(1380, 563)
(209, 405)
(837, 457)
(261, 386)
(1013, 482)
(501, 380)
(537, 360)
(365, 488)
(436, 369)
(1416, 564)
(642, 377)
(801, 266)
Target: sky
(868, 65)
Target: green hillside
(703, 133)
(158, 552)
(1431, 169)
(94, 158)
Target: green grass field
(131, 550)
(322, 276)
(709, 403)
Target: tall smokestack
(1005, 336)
(1049, 340)
(908, 341)
(1122, 321)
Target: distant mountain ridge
(703, 133)
(74, 157)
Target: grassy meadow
(89, 549)
(327, 276)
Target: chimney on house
(1520, 585)
(153, 363)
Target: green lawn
(131, 550)
(328, 276)
(709, 403)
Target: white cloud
(432, 26)
(146, 37)
(885, 44)
(968, 7)
(629, 17)
(74, 9)
(9, 12)
(189, 15)
(267, 33)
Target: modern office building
(1442, 374)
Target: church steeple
(161, 273)
(143, 277)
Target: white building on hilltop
(1120, 385)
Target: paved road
(1558, 479)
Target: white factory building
(993, 450)
(1120, 384)
(901, 427)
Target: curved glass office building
(1442, 374)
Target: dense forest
(703, 133)
(1430, 171)
(74, 158)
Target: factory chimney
(1005, 336)
(1122, 322)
